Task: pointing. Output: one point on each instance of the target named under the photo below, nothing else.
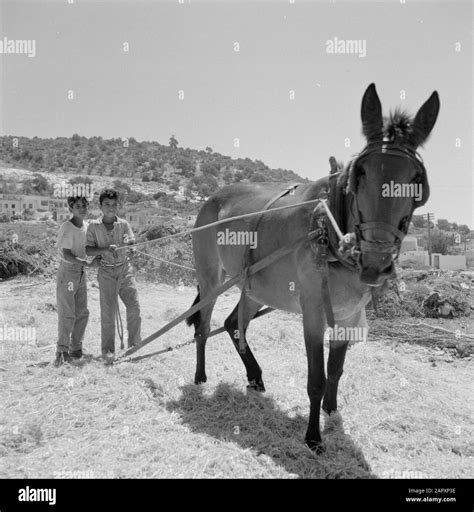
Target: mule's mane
(398, 127)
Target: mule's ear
(371, 115)
(425, 120)
(333, 164)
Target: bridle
(378, 246)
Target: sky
(249, 79)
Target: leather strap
(247, 262)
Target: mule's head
(388, 181)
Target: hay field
(405, 408)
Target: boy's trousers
(71, 298)
(117, 282)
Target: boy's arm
(91, 244)
(68, 256)
(94, 251)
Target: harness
(348, 252)
(360, 227)
(247, 263)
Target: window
(31, 206)
(13, 206)
(44, 203)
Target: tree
(238, 176)
(418, 221)
(173, 143)
(188, 192)
(38, 185)
(134, 196)
(209, 168)
(186, 166)
(159, 195)
(121, 185)
(257, 177)
(464, 229)
(440, 242)
(156, 232)
(208, 149)
(206, 186)
(81, 179)
(27, 214)
(157, 175)
(443, 224)
(227, 176)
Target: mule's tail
(195, 318)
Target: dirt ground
(405, 403)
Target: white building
(409, 243)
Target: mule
(294, 283)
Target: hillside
(169, 167)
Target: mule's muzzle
(376, 268)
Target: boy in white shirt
(71, 286)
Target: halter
(378, 246)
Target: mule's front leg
(200, 375)
(337, 354)
(313, 323)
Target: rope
(222, 221)
(118, 316)
(262, 312)
(332, 219)
(165, 261)
(470, 336)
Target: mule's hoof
(200, 379)
(315, 446)
(256, 385)
(329, 410)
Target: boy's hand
(111, 248)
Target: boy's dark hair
(109, 193)
(72, 200)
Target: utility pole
(429, 217)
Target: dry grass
(404, 406)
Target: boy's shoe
(76, 354)
(61, 358)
